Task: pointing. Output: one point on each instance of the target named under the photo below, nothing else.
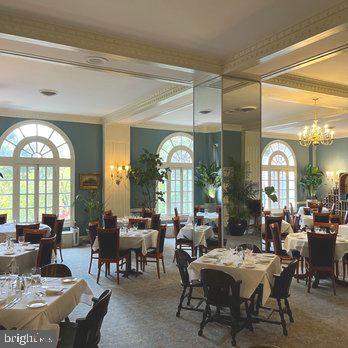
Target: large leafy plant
(147, 175)
(91, 204)
(208, 178)
(312, 180)
(239, 191)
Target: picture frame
(89, 181)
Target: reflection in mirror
(207, 163)
(241, 129)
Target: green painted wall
(87, 140)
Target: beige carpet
(142, 313)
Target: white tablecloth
(124, 221)
(299, 241)
(199, 235)
(21, 261)
(9, 229)
(143, 239)
(307, 220)
(286, 227)
(208, 217)
(48, 317)
(250, 277)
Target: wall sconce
(119, 173)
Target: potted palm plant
(311, 181)
(239, 190)
(91, 204)
(147, 175)
(208, 178)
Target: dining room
(151, 201)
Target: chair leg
(204, 320)
(158, 267)
(249, 321)
(118, 272)
(60, 252)
(337, 269)
(298, 271)
(182, 297)
(309, 277)
(288, 310)
(344, 269)
(106, 269)
(164, 270)
(233, 329)
(189, 296)
(99, 268)
(282, 319)
(333, 284)
(90, 264)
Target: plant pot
(237, 227)
(210, 207)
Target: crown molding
(159, 97)
(163, 126)
(38, 115)
(309, 84)
(19, 25)
(324, 21)
(278, 136)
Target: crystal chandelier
(316, 135)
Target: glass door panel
(175, 190)
(45, 188)
(27, 194)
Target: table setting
(17, 256)
(9, 230)
(199, 234)
(30, 301)
(299, 241)
(251, 268)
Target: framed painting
(89, 181)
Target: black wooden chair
(110, 221)
(3, 219)
(109, 251)
(44, 256)
(50, 220)
(59, 231)
(85, 332)
(267, 235)
(222, 291)
(92, 235)
(181, 243)
(183, 259)
(255, 249)
(20, 228)
(56, 270)
(155, 222)
(281, 291)
(33, 236)
(156, 254)
(321, 258)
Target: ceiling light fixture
(316, 135)
(48, 92)
(95, 60)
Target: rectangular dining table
(58, 307)
(260, 273)
(22, 259)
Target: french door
(36, 191)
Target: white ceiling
(213, 28)
(80, 91)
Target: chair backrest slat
(44, 255)
(109, 243)
(59, 230)
(161, 238)
(50, 220)
(21, 227)
(33, 236)
(110, 221)
(321, 249)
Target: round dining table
(9, 230)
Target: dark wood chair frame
(181, 244)
(44, 256)
(36, 233)
(92, 235)
(56, 270)
(20, 228)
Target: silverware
(11, 303)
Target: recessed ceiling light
(48, 92)
(95, 60)
(205, 112)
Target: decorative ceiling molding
(333, 17)
(38, 115)
(160, 97)
(309, 84)
(12, 24)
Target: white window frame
(285, 168)
(16, 162)
(175, 165)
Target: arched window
(176, 151)
(37, 161)
(279, 170)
